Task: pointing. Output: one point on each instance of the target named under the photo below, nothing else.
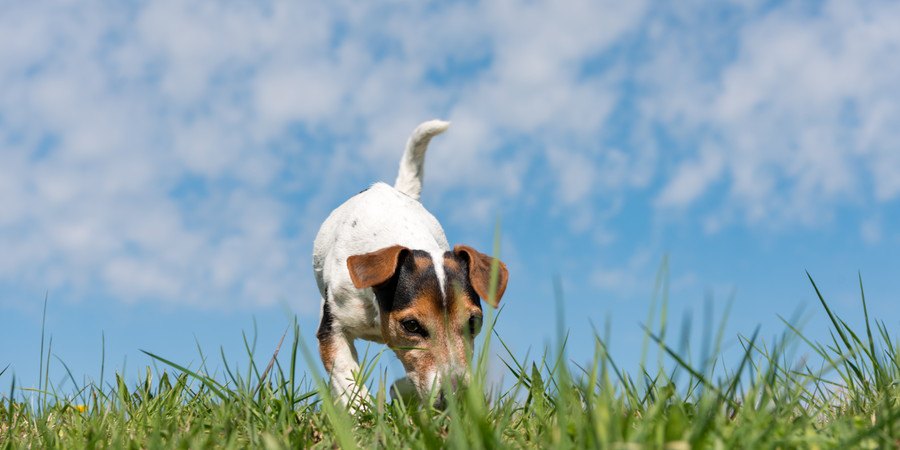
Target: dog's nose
(440, 402)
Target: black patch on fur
(384, 292)
(399, 291)
(326, 326)
(458, 279)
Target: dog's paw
(404, 389)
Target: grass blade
(213, 386)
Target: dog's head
(430, 307)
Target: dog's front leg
(339, 357)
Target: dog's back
(378, 217)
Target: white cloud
(154, 153)
(871, 231)
(149, 153)
(798, 120)
(691, 179)
(577, 175)
(632, 278)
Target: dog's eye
(474, 325)
(412, 326)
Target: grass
(764, 400)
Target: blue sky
(164, 165)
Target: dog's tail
(409, 179)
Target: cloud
(691, 179)
(185, 153)
(802, 118)
(136, 171)
(632, 277)
(871, 231)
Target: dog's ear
(480, 273)
(372, 269)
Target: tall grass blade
(265, 373)
(43, 333)
(211, 384)
(102, 357)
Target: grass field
(764, 400)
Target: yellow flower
(80, 408)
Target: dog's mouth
(443, 387)
(420, 390)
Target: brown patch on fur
(374, 268)
(451, 264)
(422, 262)
(326, 352)
(480, 273)
(325, 335)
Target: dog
(387, 274)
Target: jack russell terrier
(387, 274)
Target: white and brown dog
(387, 274)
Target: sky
(165, 165)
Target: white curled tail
(409, 179)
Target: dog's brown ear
(372, 269)
(480, 273)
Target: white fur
(378, 217)
(438, 258)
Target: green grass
(765, 399)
